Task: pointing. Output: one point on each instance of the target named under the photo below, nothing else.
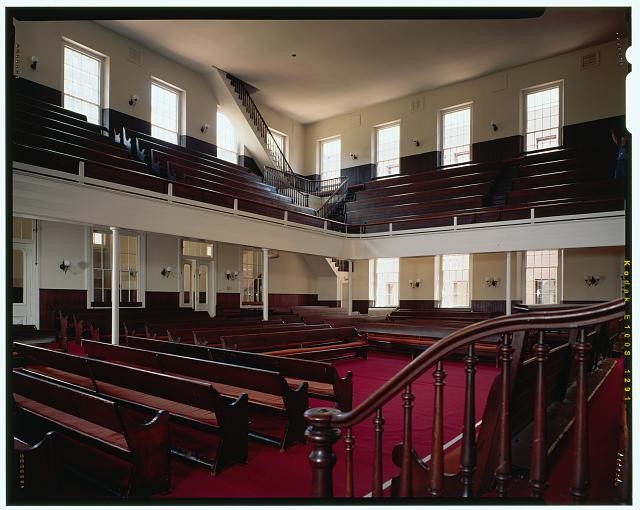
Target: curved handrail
(573, 318)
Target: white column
(265, 284)
(508, 285)
(115, 286)
(350, 300)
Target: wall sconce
(491, 281)
(204, 128)
(34, 62)
(493, 126)
(231, 275)
(133, 100)
(353, 155)
(591, 280)
(166, 271)
(416, 284)
(416, 142)
(65, 265)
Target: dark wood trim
(416, 163)
(498, 149)
(330, 304)
(52, 300)
(115, 120)
(155, 300)
(196, 144)
(594, 135)
(250, 163)
(361, 305)
(36, 90)
(228, 303)
(284, 302)
(493, 306)
(358, 174)
(417, 304)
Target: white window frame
(523, 111)
(102, 81)
(235, 150)
(321, 144)
(377, 130)
(141, 273)
(285, 141)
(375, 283)
(559, 278)
(258, 304)
(179, 98)
(441, 114)
(439, 279)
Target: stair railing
(418, 478)
(334, 199)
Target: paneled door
(23, 280)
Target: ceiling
(344, 65)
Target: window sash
(388, 150)
(455, 129)
(387, 282)
(542, 117)
(455, 281)
(542, 269)
(128, 270)
(165, 113)
(330, 151)
(226, 139)
(82, 89)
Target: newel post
(321, 435)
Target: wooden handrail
(324, 424)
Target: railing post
(455, 223)
(235, 206)
(538, 470)
(286, 217)
(468, 451)
(533, 215)
(321, 435)
(503, 470)
(325, 224)
(81, 171)
(170, 192)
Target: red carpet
(271, 474)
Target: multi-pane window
(83, 83)
(101, 244)
(22, 228)
(197, 249)
(165, 112)
(454, 280)
(388, 150)
(281, 141)
(455, 131)
(542, 117)
(252, 266)
(386, 281)
(330, 158)
(226, 139)
(541, 277)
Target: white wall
(58, 242)
(294, 131)
(290, 274)
(589, 94)
(413, 268)
(44, 40)
(605, 263)
(162, 251)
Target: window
(542, 117)
(23, 228)
(330, 158)
(252, 266)
(386, 282)
(226, 139)
(83, 82)
(454, 281)
(281, 141)
(101, 243)
(388, 150)
(455, 132)
(165, 108)
(197, 249)
(541, 277)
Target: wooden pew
(35, 469)
(310, 343)
(191, 403)
(267, 390)
(322, 378)
(204, 336)
(99, 423)
(595, 189)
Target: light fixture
(166, 271)
(231, 275)
(491, 281)
(493, 125)
(133, 100)
(34, 62)
(353, 155)
(204, 128)
(591, 280)
(416, 284)
(416, 142)
(65, 265)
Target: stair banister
(324, 424)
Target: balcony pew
(98, 423)
(559, 192)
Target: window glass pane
(82, 77)
(456, 136)
(542, 118)
(226, 139)
(197, 249)
(252, 266)
(455, 281)
(330, 158)
(541, 273)
(101, 243)
(164, 113)
(388, 150)
(387, 281)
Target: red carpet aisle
(270, 473)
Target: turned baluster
(468, 452)
(436, 471)
(405, 467)
(349, 443)
(538, 471)
(378, 427)
(322, 436)
(580, 474)
(503, 470)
